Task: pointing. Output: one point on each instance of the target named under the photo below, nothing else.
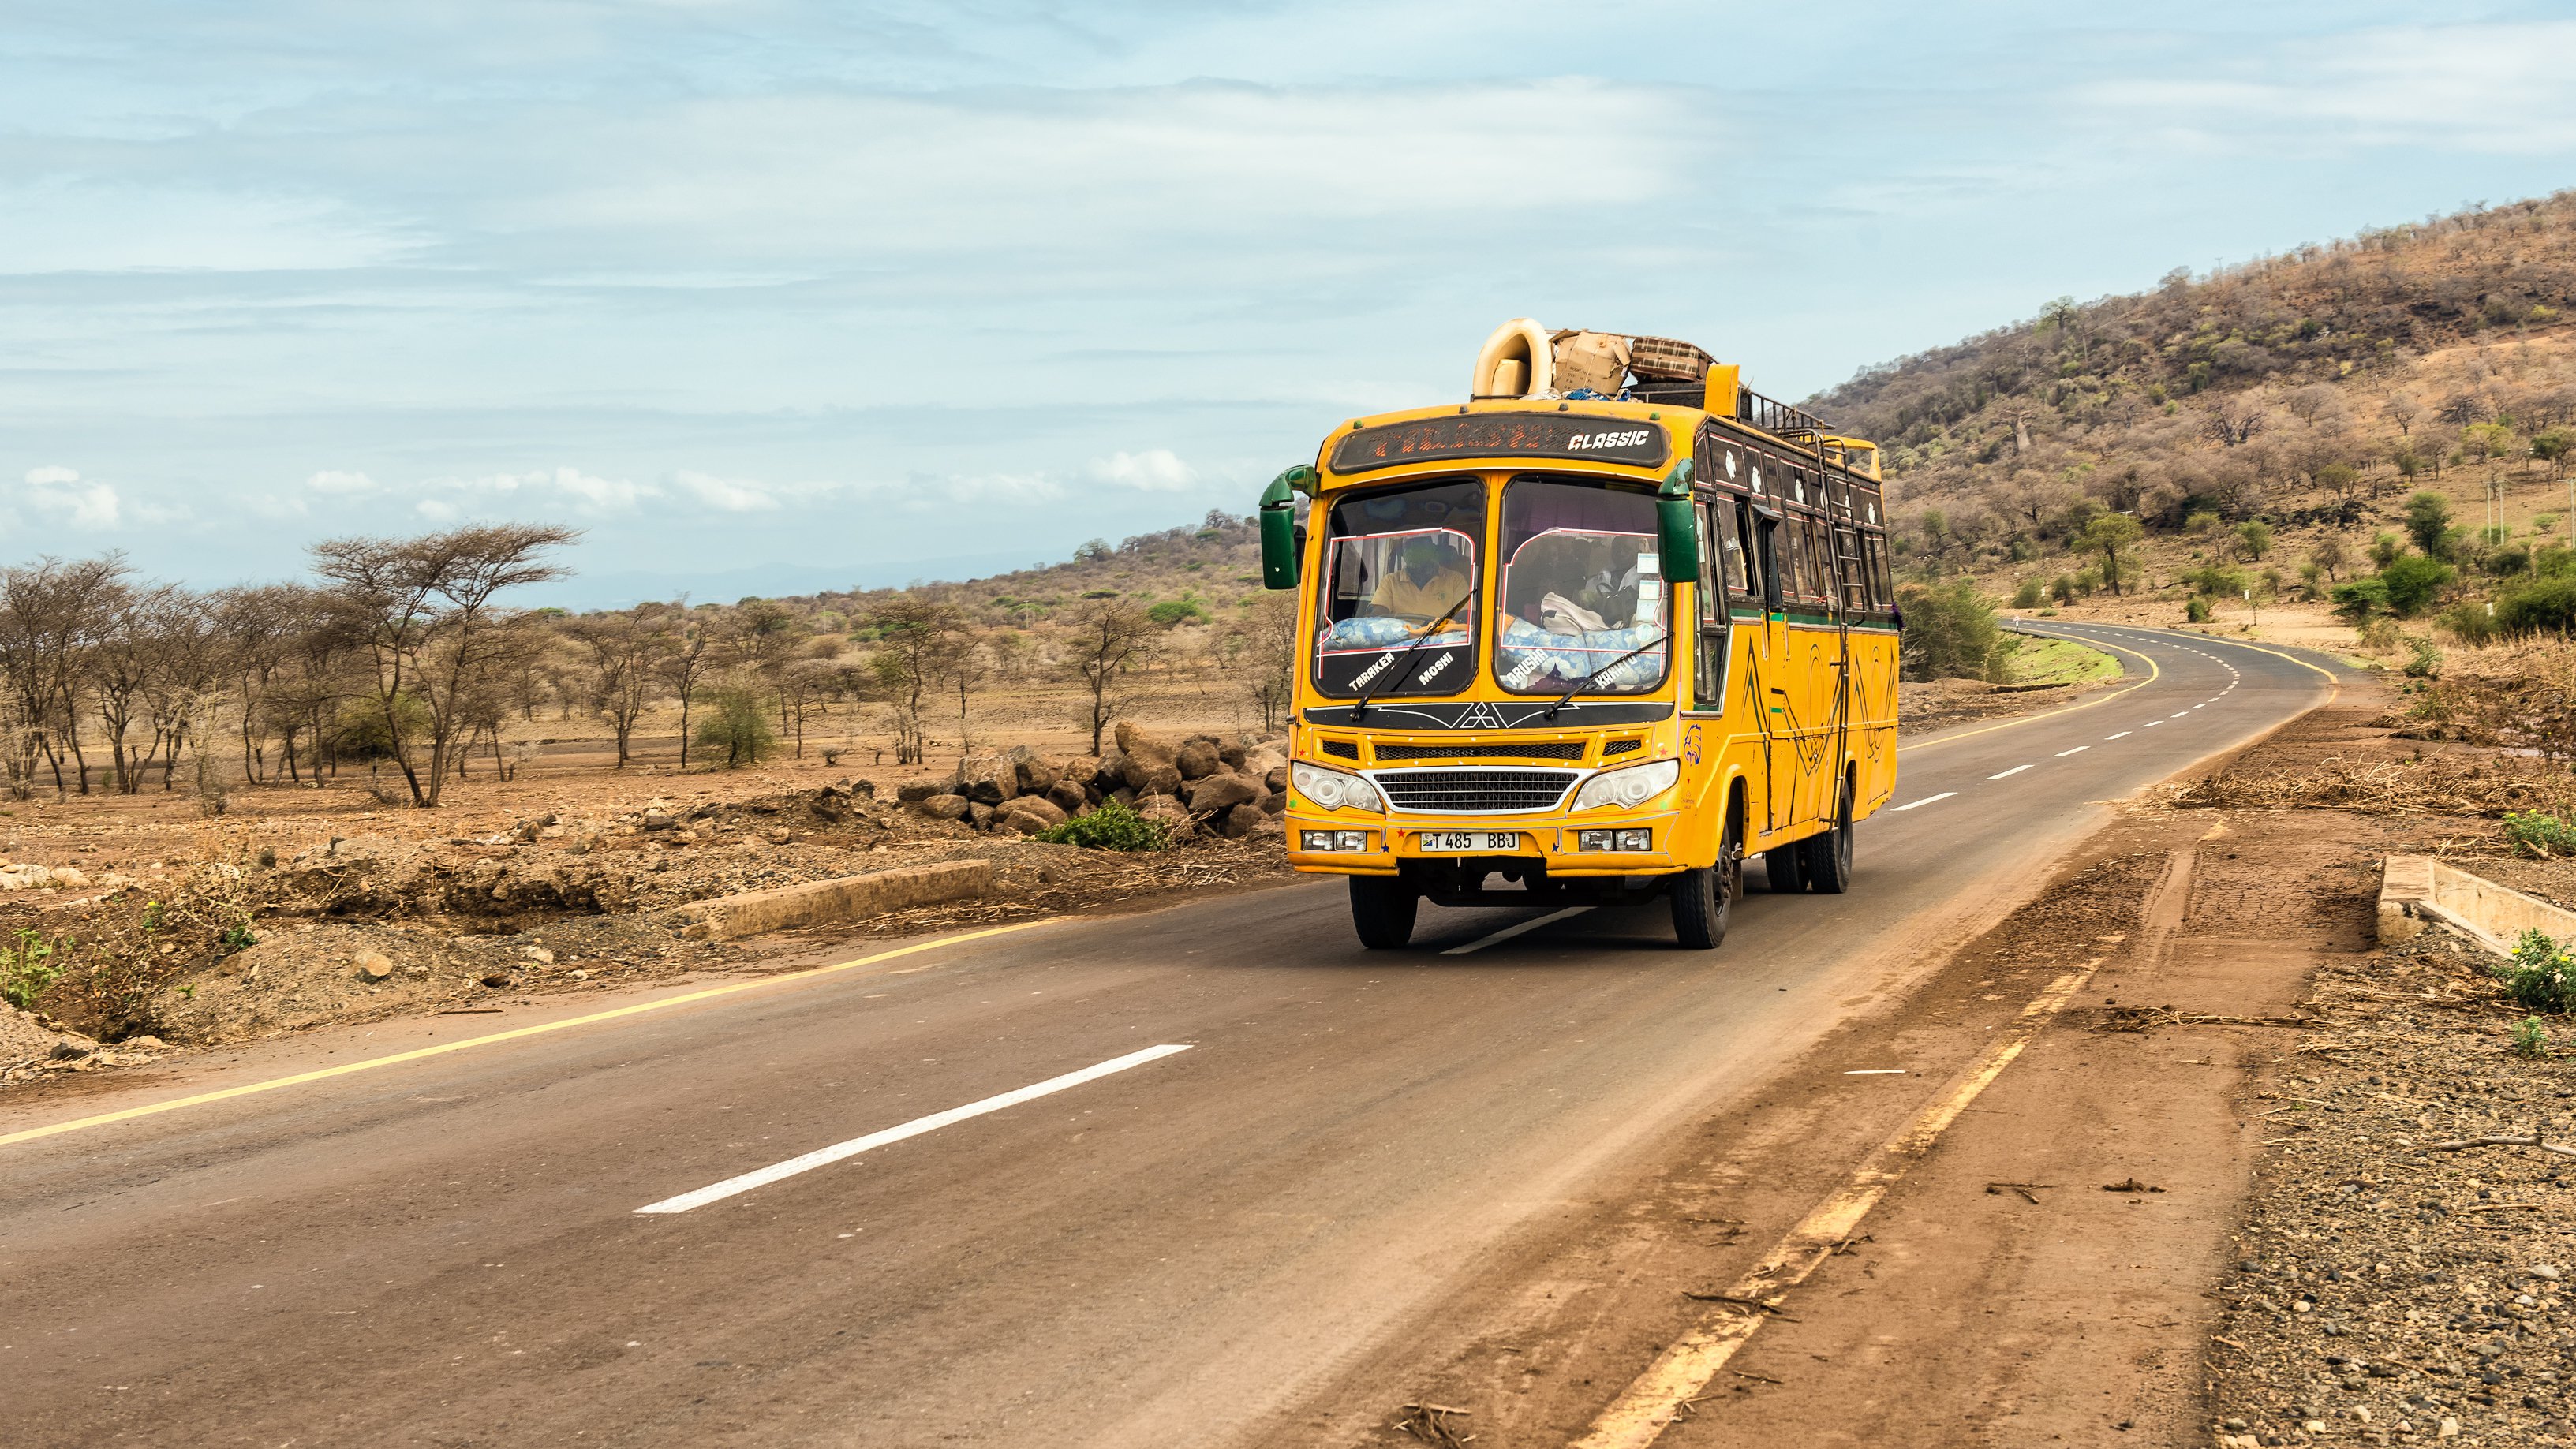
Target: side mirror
(1677, 526)
(1279, 526)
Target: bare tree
(691, 657)
(915, 638)
(1111, 641)
(49, 620)
(425, 609)
(627, 651)
(1268, 657)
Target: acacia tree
(49, 619)
(2112, 535)
(685, 666)
(425, 611)
(626, 650)
(1110, 641)
(916, 639)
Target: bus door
(1773, 672)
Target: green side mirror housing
(1677, 526)
(1279, 526)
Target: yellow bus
(1570, 646)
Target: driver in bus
(1428, 578)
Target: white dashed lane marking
(2079, 749)
(2015, 770)
(2122, 735)
(1926, 800)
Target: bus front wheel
(1382, 910)
(1704, 899)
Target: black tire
(1703, 900)
(1786, 868)
(1828, 857)
(1382, 911)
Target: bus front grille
(1531, 750)
(1475, 792)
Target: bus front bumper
(1596, 845)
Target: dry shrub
(2433, 785)
(133, 943)
(2518, 696)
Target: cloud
(60, 493)
(333, 481)
(731, 495)
(1155, 470)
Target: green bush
(2425, 662)
(1111, 827)
(358, 727)
(2469, 623)
(2412, 583)
(2531, 1038)
(1950, 633)
(26, 969)
(2062, 588)
(2547, 607)
(2428, 517)
(2358, 600)
(2540, 976)
(2532, 833)
(1171, 612)
(737, 722)
(2195, 610)
(2029, 594)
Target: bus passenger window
(1855, 582)
(1726, 574)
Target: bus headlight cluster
(1332, 789)
(1635, 841)
(1628, 788)
(1346, 841)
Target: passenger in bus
(1425, 585)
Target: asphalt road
(450, 1251)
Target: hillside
(2265, 425)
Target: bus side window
(1766, 557)
(1848, 568)
(1720, 579)
(1880, 585)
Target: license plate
(1472, 842)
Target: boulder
(1223, 792)
(1197, 760)
(1276, 777)
(1241, 820)
(1232, 754)
(913, 792)
(945, 807)
(988, 779)
(1068, 797)
(373, 966)
(979, 815)
(1036, 775)
(1030, 814)
(1109, 771)
(1159, 780)
(1123, 796)
(829, 804)
(1275, 803)
(1261, 760)
(1137, 745)
(1168, 813)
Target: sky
(767, 297)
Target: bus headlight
(1628, 788)
(1332, 789)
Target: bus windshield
(1400, 568)
(1582, 585)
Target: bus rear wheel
(1786, 868)
(1828, 859)
(1382, 911)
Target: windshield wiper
(1585, 682)
(1360, 706)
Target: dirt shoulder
(2200, 1208)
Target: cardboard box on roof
(1594, 360)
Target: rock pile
(1201, 784)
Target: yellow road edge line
(514, 1034)
(2154, 673)
(1677, 1377)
